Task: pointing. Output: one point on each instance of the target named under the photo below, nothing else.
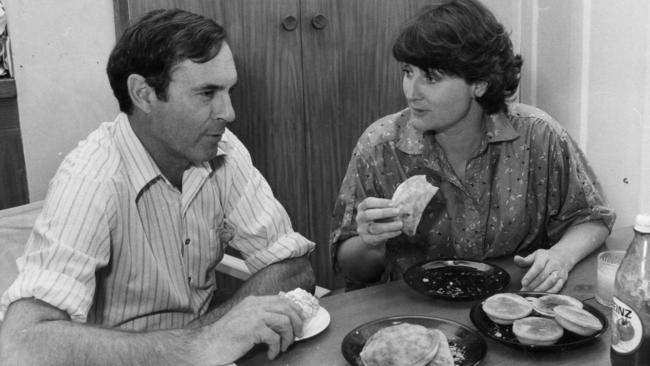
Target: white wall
(587, 63)
(591, 70)
(60, 50)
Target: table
(351, 309)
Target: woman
(511, 180)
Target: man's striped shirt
(116, 244)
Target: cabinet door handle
(290, 23)
(319, 21)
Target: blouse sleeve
(576, 195)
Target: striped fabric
(116, 244)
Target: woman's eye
(407, 71)
(432, 76)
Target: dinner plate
(503, 333)
(316, 324)
(456, 279)
(466, 345)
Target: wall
(60, 50)
(586, 63)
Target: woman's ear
(479, 88)
(140, 92)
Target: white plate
(316, 325)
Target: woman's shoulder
(385, 129)
(524, 116)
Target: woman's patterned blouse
(524, 186)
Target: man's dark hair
(156, 43)
(463, 38)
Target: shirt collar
(140, 166)
(498, 128)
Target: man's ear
(479, 88)
(142, 95)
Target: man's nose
(223, 109)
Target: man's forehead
(220, 68)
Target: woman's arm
(549, 268)
(361, 257)
(360, 262)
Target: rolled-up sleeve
(575, 194)
(69, 243)
(262, 229)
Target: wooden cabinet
(13, 179)
(305, 93)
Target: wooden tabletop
(351, 309)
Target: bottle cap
(642, 223)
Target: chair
(16, 224)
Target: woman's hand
(377, 221)
(548, 272)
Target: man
(120, 266)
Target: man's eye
(207, 93)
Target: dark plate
(503, 333)
(456, 279)
(467, 346)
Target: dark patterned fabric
(524, 186)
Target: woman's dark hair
(156, 43)
(463, 38)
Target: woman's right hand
(377, 221)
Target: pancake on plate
(504, 308)
(411, 197)
(544, 305)
(536, 330)
(577, 320)
(443, 357)
(406, 344)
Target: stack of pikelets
(557, 313)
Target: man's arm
(36, 333)
(281, 276)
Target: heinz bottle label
(627, 329)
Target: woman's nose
(410, 88)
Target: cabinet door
(350, 80)
(13, 179)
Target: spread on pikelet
(544, 305)
(538, 331)
(577, 320)
(504, 308)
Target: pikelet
(576, 320)
(536, 330)
(544, 305)
(504, 308)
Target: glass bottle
(631, 312)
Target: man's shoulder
(96, 157)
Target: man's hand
(548, 272)
(377, 221)
(273, 320)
